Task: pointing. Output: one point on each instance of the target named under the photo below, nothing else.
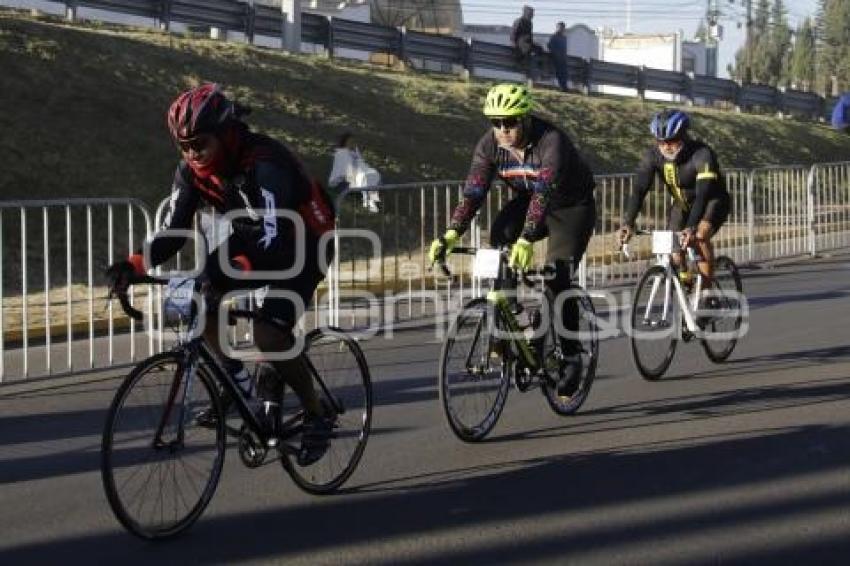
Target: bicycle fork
(185, 371)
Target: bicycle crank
(251, 449)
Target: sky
(647, 16)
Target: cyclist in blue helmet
(690, 170)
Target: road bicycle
(499, 340)
(666, 310)
(165, 435)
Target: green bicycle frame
(500, 301)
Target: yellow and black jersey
(693, 178)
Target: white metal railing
(829, 198)
(780, 212)
(380, 274)
(33, 298)
(775, 212)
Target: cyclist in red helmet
(230, 168)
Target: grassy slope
(84, 113)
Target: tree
(801, 63)
(779, 45)
(750, 62)
(766, 57)
(833, 42)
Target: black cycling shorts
(303, 284)
(568, 228)
(716, 213)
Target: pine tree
(778, 51)
(756, 56)
(801, 65)
(745, 69)
(833, 46)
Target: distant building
(356, 10)
(659, 51)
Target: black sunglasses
(196, 144)
(507, 123)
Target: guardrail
(365, 37)
(334, 34)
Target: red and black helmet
(203, 109)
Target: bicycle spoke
(159, 490)
(473, 387)
(342, 375)
(654, 323)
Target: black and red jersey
(548, 169)
(264, 176)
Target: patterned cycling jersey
(549, 170)
(693, 178)
(265, 177)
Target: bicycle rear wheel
(473, 373)
(586, 342)
(722, 322)
(654, 323)
(159, 467)
(341, 366)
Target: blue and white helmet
(669, 125)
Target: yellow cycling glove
(442, 247)
(522, 253)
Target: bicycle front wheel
(724, 315)
(159, 467)
(346, 386)
(472, 373)
(584, 342)
(654, 323)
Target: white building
(668, 52)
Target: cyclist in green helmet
(553, 189)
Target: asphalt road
(745, 462)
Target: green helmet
(507, 100)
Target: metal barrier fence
(780, 212)
(775, 212)
(829, 190)
(337, 33)
(48, 299)
(380, 274)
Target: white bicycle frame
(664, 244)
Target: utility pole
(712, 36)
(291, 13)
(748, 72)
